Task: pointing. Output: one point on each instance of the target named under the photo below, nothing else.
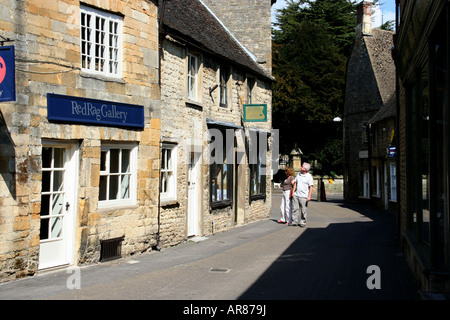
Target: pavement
(345, 252)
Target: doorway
(58, 204)
(193, 195)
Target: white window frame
(393, 181)
(105, 171)
(111, 43)
(169, 172)
(193, 77)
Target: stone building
(127, 126)
(422, 59)
(383, 157)
(370, 92)
(214, 150)
(250, 22)
(79, 141)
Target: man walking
(303, 187)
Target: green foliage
(388, 25)
(311, 45)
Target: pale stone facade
(69, 183)
(46, 38)
(186, 125)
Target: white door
(193, 194)
(58, 206)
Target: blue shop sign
(7, 74)
(99, 112)
(391, 151)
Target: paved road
(327, 260)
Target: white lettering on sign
(103, 112)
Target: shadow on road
(332, 262)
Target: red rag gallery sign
(7, 74)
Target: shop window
(257, 164)
(168, 172)
(221, 166)
(118, 176)
(101, 42)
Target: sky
(385, 13)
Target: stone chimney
(364, 18)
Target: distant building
(369, 101)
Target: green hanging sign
(255, 112)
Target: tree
(388, 25)
(310, 51)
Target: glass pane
(164, 181)
(45, 205)
(59, 155)
(219, 186)
(125, 187)
(169, 159)
(44, 229)
(57, 204)
(114, 160)
(225, 182)
(46, 175)
(58, 180)
(46, 157)
(163, 160)
(125, 161)
(103, 158)
(113, 187)
(103, 188)
(56, 227)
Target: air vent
(111, 249)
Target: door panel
(193, 194)
(57, 205)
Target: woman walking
(286, 200)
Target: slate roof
(379, 47)
(193, 22)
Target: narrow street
(262, 261)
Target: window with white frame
(168, 172)
(224, 76)
(192, 85)
(118, 175)
(393, 180)
(101, 42)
